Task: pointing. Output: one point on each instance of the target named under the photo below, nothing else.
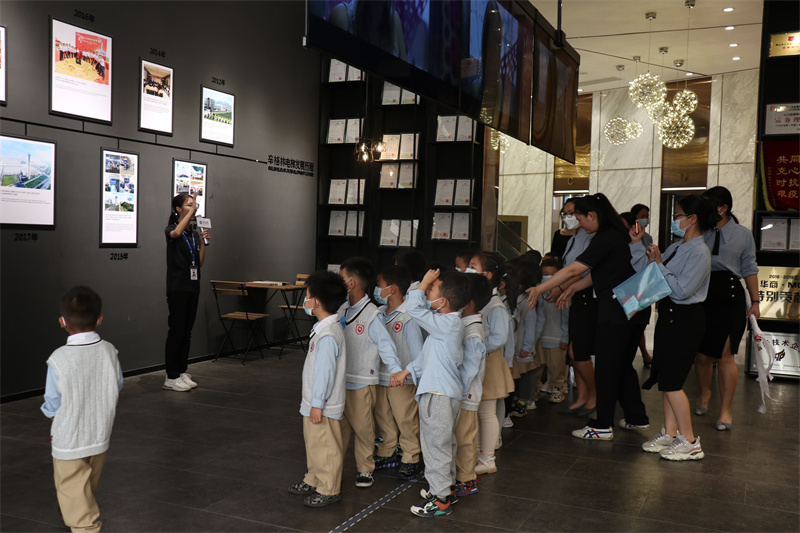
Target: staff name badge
(194, 273)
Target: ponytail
(177, 201)
(492, 262)
(703, 208)
(720, 196)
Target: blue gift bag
(641, 290)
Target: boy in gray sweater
(83, 383)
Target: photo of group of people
(155, 98)
(27, 189)
(120, 186)
(216, 124)
(80, 71)
(189, 177)
(157, 80)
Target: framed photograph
(80, 73)
(155, 97)
(3, 55)
(119, 212)
(191, 177)
(28, 190)
(216, 117)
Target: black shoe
(518, 410)
(364, 480)
(409, 470)
(302, 488)
(386, 462)
(321, 500)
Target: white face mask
(470, 271)
(570, 222)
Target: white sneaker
(187, 378)
(590, 433)
(658, 442)
(485, 465)
(177, 384)
(682, 450)
(508, 423)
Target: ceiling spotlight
(689, 3)
(690, 73)
(733, 45)
(729, 28)
(736, 58)
(620, 68)
(678, 63)
(636, 59)
(663, 50)
(650, 15)
(728, 9)
(580, 90)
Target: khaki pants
(556, 361)
(397, 414)
(76, 484)
(359, 418)
(324, 455)
(467, 445)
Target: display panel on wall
(155, 97)
(27, 193)
(3, 79)
(190, 177)
(216, 117)
(119, 214)
(80, 72)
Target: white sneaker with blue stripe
(590, 433)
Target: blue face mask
(644, 222)
(383, 300)
(545, 278)
(307, 309)
(470, 271)
(429, 303)
(677, 230)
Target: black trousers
(615, 378)
(182, 312)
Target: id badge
(193, 273)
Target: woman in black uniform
(733, 257)
(186, 252)
(617, 338)
(562, 236)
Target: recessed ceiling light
(690, 73)
(580, 90)
(729, 27)
(736, 58)
(728, 9)
(733, 45)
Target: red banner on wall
(780, 174)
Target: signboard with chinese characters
(780, 174)
(779, 292)
(784, 44)
(787, 357)
(782, 119)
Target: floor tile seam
(184, 470)
(201, 403)
(284, 459)
(61, 525)
(37, 415)
(26, 441)
(541, 501)
(748, 507)
(535, 507)
(172, 504)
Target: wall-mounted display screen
(120, 192)
(155, 97)
(216, 117)
(28, 190)
(191, 177)
(3, 47)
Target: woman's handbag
(642, 290)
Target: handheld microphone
(194, 226)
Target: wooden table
(290, 310)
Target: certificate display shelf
(387, 203)
(777, 239)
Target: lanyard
(191, 249)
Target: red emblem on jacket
(398, 327)
(359, 329)
(311, 348)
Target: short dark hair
(480, 290)
(720, 196)
(414, 261)
(328, 288)
(81, 308)
(607, 216)
(398, 276)
(628, 217)
(455, 287)
(703, 207)
(638, 207)
(438, 265)
(494, 263)
(466, 255)
(551, 262)
(361, 269)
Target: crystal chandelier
(685, 102)
(498, 141)
(647, 90)
(660, 112)
(618, 131)
(634, 130)
(676, 132)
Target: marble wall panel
(625, 188)
(594, 159)
(636, 153)
(740, 180)
(713, 176)
(593, 181)
(523, 159)
(714, 119)
(655, 202)
(528, 195)
(739, 120)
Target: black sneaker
(364, 480)
(386, 462)
(428, 496)
(518, 409)
(409, 470)
(320, 500)
(302, 488)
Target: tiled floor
(221, 457)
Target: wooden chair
(290, 313)
(246, 318)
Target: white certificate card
(337, 193)
(407, 145)
(390, 230)
(338, 70)
(446, 129)
(391, 146)
(353, 74)
(389, 175)
(355, 191)
(463, 190)
(794, 234)
(407, 174)
(336, 131)
(353, 131)
(460, 226)
(391, 94)
(773, 234)
(407, 97)
(444, 192)
(466, 129)
(441, 225)
(404, 239)
(338, 219)
(355, 219)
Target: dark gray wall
(263, 221)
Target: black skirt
(583, 324)
(726, 314)
(679, 331)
